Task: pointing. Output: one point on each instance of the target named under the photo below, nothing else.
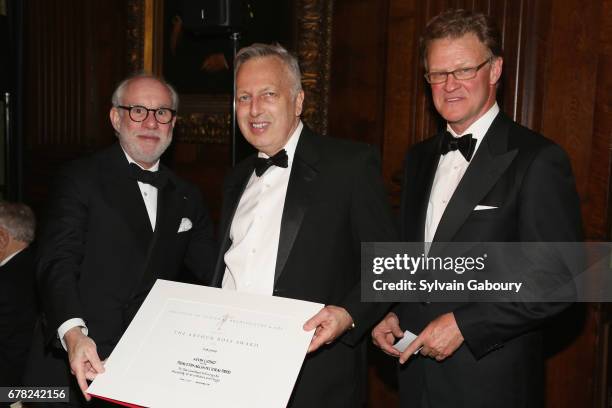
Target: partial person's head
(17, 226)
(469, 45)
(269, 96)
(143, 116)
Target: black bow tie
(465, 144)
(262, 164)
(155, 178)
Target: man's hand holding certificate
(193, 345)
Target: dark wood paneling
(401, 89)
(357, 76)
(571, 73)
(74, 56)
(596, 203)
(55, 49)
(537, 22)
(74, 53)
(573, 61)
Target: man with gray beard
(116, 222)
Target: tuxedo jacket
(98, 255)
(335, 200)
(529, 181)
(18, 308)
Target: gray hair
(259, 50)
(18, 220)
(120, 89)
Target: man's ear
(299, 102)
(496, 70)
(4, 239)
(115, 118)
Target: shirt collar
(153, 168)
(291, 143)
(479, 128)
(11, 256)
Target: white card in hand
(405, 341)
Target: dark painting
(198, 44)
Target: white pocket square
(484, 207)
(185, 225)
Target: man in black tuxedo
(18, 306)
(116, 222)
(484, 179)
(294, 216)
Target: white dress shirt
(149, 195)
(250, 262)
(148, 191)
(451, 168)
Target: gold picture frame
(313, 49)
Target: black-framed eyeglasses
(139, 113)
(460, 74)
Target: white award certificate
(196, 346)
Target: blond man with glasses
(482, 178)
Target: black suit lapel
(488, 164)
(170, 205)
(414, 229)
(231, 199)
(297, 199)
(125, 198)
